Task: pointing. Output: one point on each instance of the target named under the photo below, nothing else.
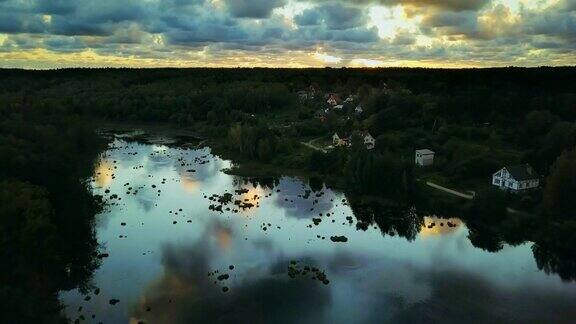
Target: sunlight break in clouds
(391, 20)
(359, 62)
(323, 57)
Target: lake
(184, 242)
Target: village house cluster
(342, 139)
(332, 103)
(516, 179)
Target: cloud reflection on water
(407, 273)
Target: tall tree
(561, 186)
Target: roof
(335, 97)
(342, 134)
(363, 133)
(425, 151)
(522, 172)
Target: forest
(476, 120)
(47, 212)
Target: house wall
(503, 180)
(370, 142)
(424, 160)
(529, 184)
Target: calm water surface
(167, 250)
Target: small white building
(369, 141)
(424, 157)
(516, 178)
(359, 110)
(339, 107)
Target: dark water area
(183, 242)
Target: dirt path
(450, 191)
(314, 147)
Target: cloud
(260, 289)
(455, 5)
(253, 8)
(491, 303)
(179, 32)
(23, 23)
(64, 44)
(185, 294)
(337, 16)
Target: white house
(359, 110)
(339, 107)
(424, 157)
(369, 141)
(516, 178)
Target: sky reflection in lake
(163, 260)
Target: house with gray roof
(516, 178)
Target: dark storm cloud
(559, 22)
(74, 27)
(355, 35)
(309, 17)
(253, 8)
(58, 7)
(337, 16)
(64, 44)
(334, 22)
(24, 23)
(451, 23)
(67, 17)
(206, 33)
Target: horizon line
(284, 68)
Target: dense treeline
(494, 95)
(47, 237)
(470, 117)
(365, 172)
(259, 142)
(477, 120)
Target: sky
(41, 34)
